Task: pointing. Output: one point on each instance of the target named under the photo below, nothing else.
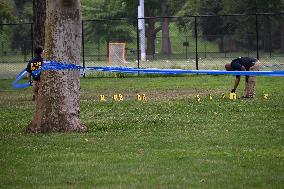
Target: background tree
(39, 16)
(155, 8)
(59, 91)
(6, 11)
(166, 43)
(105, 31)
(215, 29)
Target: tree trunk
(166, 43)
(151, 36)
(267, 34)
(282, 37)
(59, 90)
(39, 16)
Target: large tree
(59, 90)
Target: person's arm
(237, 80)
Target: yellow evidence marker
(102, 98)
(197, 97)
(138, 97)
(210, 97)
(141, 97)
(117, 97)
(223, 96)
(265, 96)
(233, 96)
(120, 97)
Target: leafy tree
(6, 16)
(155, 8)
(106, 30)
(22, 40)
(217, 27)
(271, 28)
(6, 11)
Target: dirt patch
(152, 95)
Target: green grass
(171, 141)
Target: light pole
(141, 27)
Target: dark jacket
(35, 64)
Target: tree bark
(151, 37)
(59, 91)
(39, 16)
(166, 43)
(282, 37)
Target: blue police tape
(54, 65)
(16, 83)
(181, 71)
(47, 65)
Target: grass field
(171, 141)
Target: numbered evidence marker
(141, 97)
(197, 97)
(117, 97)
(223, 96)
(265, 96)
(102, 98)
(233, 96)
(210, 97)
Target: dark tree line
(217, 29)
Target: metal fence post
(83, 49)
(257, 36)
(138, 44)
(196, 41)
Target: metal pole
(257, 36)
(83, 49)
(138, 44)
(186, 42)
(141, 26)
(196, 45)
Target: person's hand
(233, 91)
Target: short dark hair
(38, 50)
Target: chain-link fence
(15, 48)
(195, 42)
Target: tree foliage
(106, 30)
(6, 11)
(216, 28)
(211, 28)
